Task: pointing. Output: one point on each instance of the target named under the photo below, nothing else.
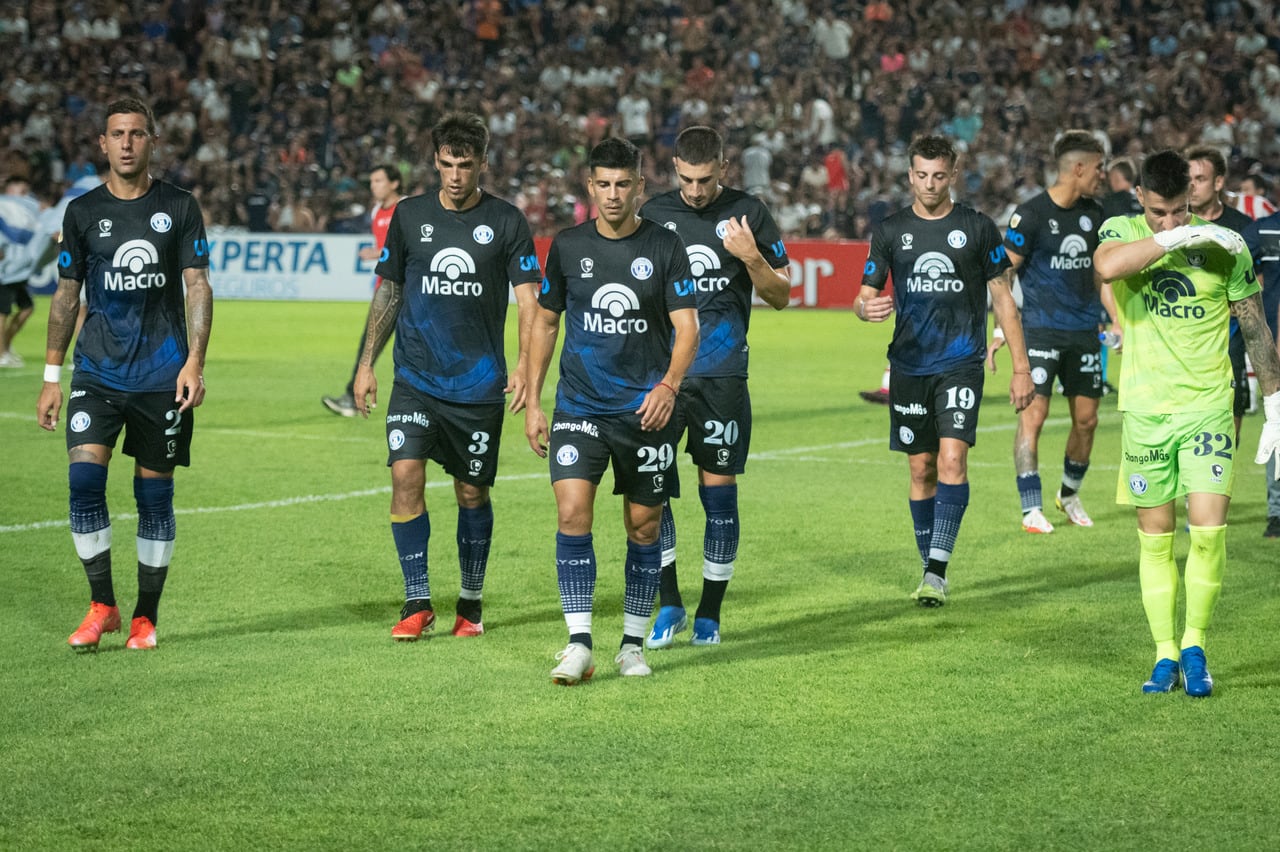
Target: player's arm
(526, 307)
(63, 310)
(1021, 388)
(773, 285)
(1108, 296)
(1116, 259)
(870, 305)
(190, 391)
(660, 401)
(384, 310)
(543, 331)
(997, 333)
(1266, 365)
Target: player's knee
(1087, 423)
(471, 496)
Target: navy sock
(922, 522)
(576, 577)
(1029, 491)
(669, 585)
(411, 539)
(949, 505)
(1072, 475)
(475, 531)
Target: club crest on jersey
(722, 457)
(483, 234)
(642, 268)
(957, 419)
(161, 223)
(587, 265)
(658, 479)
(395, 439)
(1216, 471)
(1138, 484)
(475, 466)
(1195, 257)
(1086, 224)
(427, 231)
(670, 226)
(104, 227)
(957, 239)
(566, 455)
(80, 421)
(906, 436)
(722, 227)
(907, 241)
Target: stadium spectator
(1252, 198)
(1175, 394)
(1263, 241)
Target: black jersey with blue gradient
(456, 267)
(723, 281)
(940, 269)
(616, 296)
(1057, 246)
(130, 254)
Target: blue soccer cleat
(1164, 677)
(1196, 679)
(705, 632)
(670, 621)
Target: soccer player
(1176, 278)
(1252, 199)
(940, 255)
(23, 245)
(450, 261)
(733, 247)
(1054, 234)
(134, 243)
(631, 331)
(1122, 200)
(384, 184)
(1263, 241)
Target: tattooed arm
(384, 311)
(199, 321)
(63, 310)
(1258, 342)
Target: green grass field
(278, 713)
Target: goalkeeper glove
(1269, 441)
(1188, 236)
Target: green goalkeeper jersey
(1175, 315)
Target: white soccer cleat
(575, 666)
(631, 662)
(1075, 512)
(1035, 522)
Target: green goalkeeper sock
(1205, 562)
(1158, 577)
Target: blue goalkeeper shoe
(1196, 680)
(705, 632)
(670, 621)
(1164, 677)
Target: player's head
(1208, 170)
(1121, 175)
(699, 163)
(1078, 154)
(129, 137)
(1164, 190)
(461, 141)
(615, 183)
(933, 168)
(16, 185)
(384, 183)
(1254, 184)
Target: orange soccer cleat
(463, 627)
(142, 634)
(101, 619)
(411, 628)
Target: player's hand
(1269, 440)
(1021, 390)
(190, 386)
(992, 348)
(657, 408)
(48, 406)
(535, 430)
(739, 241)
(1189, 236)
(370, 253)
(365, 390)
(877, 309)
(515, 387)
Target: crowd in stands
(274, 113)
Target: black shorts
(14, 294)
(924, 409)
(157, 435)
(1239, 374)
(644, 467)
(463, 439)
(717, 413)
(1072, 357)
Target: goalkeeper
(1176, 280)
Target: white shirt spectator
(633, 111)
(77, 30)
(832, 36)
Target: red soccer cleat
(411, 629)
(462, 627)
(101, 619)
(142, 635)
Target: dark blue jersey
(1057, 246)
(616, 296)
(456, 267)
(723, 281)
(130, 255)
(1263, 239)
(940, 269)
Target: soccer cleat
(411, 628)
(1164, 677)
(11, 359)
(1196, 680)
(705, 632)
(631, 662)
(1273, 528)
(344, 406)
(1075, 512)
(879, 396)
(932, 591)
(142, 634)
(101, 619)
(1035, 522)
(462, 627)
(670, 621)
(575, 666)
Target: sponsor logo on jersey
(1015, 220)
(529, 263)
(417, 418)
(1073, 253)
(915, 409)
(1110, 234)
(566, 455)
(957, 239)
(670, 226)
(702, 261)
(779, 248)
(658, 479)
(104, 227)
(1216, 471)
(587, 265)
(1044, 353)
(1054, 227)
(934, 272)
(1167, 295)
(1148, 456)
(130, 261)
(76, 394)
(642, 269)
(615, 300)
(80, 421)
(585, 427)
(450, 268)
(161, 223)
(907, 241)
(395, 439)
(475, 466)
(426, 231)
(957, 419)
(722, 457)
(483, 234)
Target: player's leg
(7, 294)
(1026, 462)
(15, 321)
(475, 532)
(951, 499)
(1273, 501)
(643, 569)
(411, 531)
(912, 431)
(1158, 580)
(671, 618)
(1082, 384)
(470, 437)
(719, 496)
(91, 533)
(345, 405)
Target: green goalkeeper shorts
(1165, 456)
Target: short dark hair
(461, 133)
(131, 106)
(1077, 141)
(932, 148)
(614, 153)
(1211, 155)
(1166, 174)
(699, 144)
(1259, 180)
(392, 173)
(1125, 167)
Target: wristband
(53, 373)
(1022, 372)
(862, 309)
(674, 392)
(997, 333)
